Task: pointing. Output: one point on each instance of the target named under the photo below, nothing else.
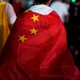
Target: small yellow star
(33, 31)
(22, 38)
(26, 11)
(35, 18)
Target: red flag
(37, 50)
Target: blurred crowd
(69, 13)
(20, 5)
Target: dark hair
(41, 1)
(77, 0)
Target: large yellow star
(35, 18)
(33, 31)
(22, 38)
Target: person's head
(42, 2)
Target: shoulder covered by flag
(37, 50)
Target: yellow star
(35, 18)
(33, 31)
(26, 11)
(22, 38)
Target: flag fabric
(37, 48)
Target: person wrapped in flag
(37, 48)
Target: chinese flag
(37, 50)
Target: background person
(7, 19)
